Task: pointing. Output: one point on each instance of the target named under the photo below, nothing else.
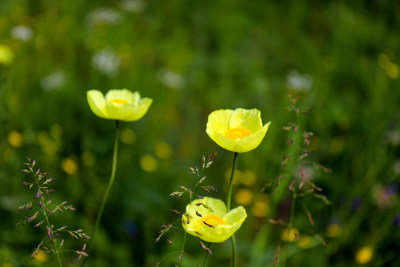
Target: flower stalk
(112, 177)
(228, 206)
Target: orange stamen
(213, 220)
(119, 101)
(236, 133)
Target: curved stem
(228, 201)
(228, 206)
(110, 183)
(207, 253)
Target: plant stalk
(110, 183)
(228, 206)
(207, 253)
(48, 222)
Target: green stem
(54, 241)
(290, 224)
(228, 206)
(182, 250)
(233, 250)
(228, 201)
(207, 253)
(110, 183)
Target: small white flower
(298, 82)
(53, 81)
(107, 62)
(135, 6)
(21, 32)
(171, 79)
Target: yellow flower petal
(96, 103)
(118, 104)
(364, 255)
(207, 219)
(238, 130)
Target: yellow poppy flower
(118, 104)
(207, 219)
(238, 130)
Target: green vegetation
(340, 58)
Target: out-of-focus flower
(15, 139)
(118, 104)
(244, 196)
(291, 236)
(260, 208)
(385, 196)
(6, 55)
(49, 145)
(88, 159)
(53, 81)
(69, 166)
(245, 177)
(107, 62)
(298, 82)
(41, 256)
(104, 15)
(135, 6)
(22, 32)
(128, 136)
(163, 150)
(364, 255)
(392, 70)
(333, 230)
(208, 220)
(305, 242)
(148, 163)
(238, 130)
(171, 79)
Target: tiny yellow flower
(6, 55)
(15, 139)
(207, 219)
(239, 130)
(333, 230)
(244, 196)
(163, 150)
(118, 104)
(148, 163)
(69, 166)
(41, 256)
(364, 255)
(290, 236)
(305, 242)
(260, 208)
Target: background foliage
(192, 57)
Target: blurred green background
(192, 57)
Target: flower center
(119, 101)
(213, 220)
(236, 133)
